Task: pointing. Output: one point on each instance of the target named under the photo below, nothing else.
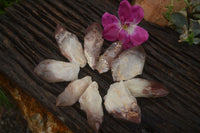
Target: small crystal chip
(108, 56)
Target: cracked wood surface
(27, 37)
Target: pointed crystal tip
(158, 90)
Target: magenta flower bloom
(126, 28)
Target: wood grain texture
(27, 37)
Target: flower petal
(139, 36)
(137, 13)
(127, 45)
(123, 36)
(111, 32)
(124, 12)
(129, 14)
(109, 19)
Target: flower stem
(172, 2)
(187, 3)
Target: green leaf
(179, 21)
(167, 15)
(2, 12)
(196, 16)
(190, 39)
(169, 11)
(195, 27)
(196, 40)
(6, 3)
(187, 3)
(4, 100)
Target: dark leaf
(196, 40)
(2, 12)
(179, 21)
(196, 9)
(195, 2)
(4, 101)
(196, 16)
(179, 30)
(195, 27)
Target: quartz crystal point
(93, 42)
(57, 71)
(73, 91)
(91, 103)
(70, 46)
(129, 64)
(109, 55)
(121, 104)
(144, 88)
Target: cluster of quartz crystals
(120, 99)
(83, 90)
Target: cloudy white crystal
(70, 46)
(121, 104)
(91, 103)
(57, 71)
(108, 56)
(73, 91)
(143, 88)
(93, 43)
(129, 64)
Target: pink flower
(126, 28)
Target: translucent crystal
(57, 71)
(129, 64)
(70, 46)
(144, 88)
(109, 55)
(121, 104)
(91, 103)
(93, 42)
(73, 91)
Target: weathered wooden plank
(27, 37)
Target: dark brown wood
(27, 37)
